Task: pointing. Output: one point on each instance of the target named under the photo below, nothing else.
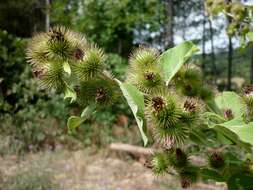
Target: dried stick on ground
(135, 150)
(141, 151)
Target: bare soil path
(81, 170)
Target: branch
(135, 150)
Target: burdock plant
(165, 93)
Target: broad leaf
(207, 174)
(173, 59)
(213, 118)
(135, 100)
(69, 93)
(66, 67)
(233, 159)
(223, 139)
(241, 181)
(237, 131)
(249, 35)
(75, 121)
(230, 100)
(197, 136)
(243, 130)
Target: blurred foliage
(239, 15)
(24, 108)
(117, 65)
(110, 23)
(28, 12)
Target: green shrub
(28, 116)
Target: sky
(247, 2)
(220, 40)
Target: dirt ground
(83, 170)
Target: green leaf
(207, 174)
(224, 140)
(66, 67)
(237, 131)
(75, 121)
(88, 111)
(199, 137)
(213, 118)
(243, 130)
(69, 93)
(233, 159)
(230, 100)
(173, 59)
(249, 35)
(240, 181)
(135, 100)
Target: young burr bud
(187, 75)
(178, 158)
(188, 176)
(244, 30)
(192, 109)
(185, 183)
(37, 50)
(158, 103)
(143, 58)
(206, 93)
(228, 114)
(236, 9)
(172, 136)
(151, 81)
(216, 160)
(101, 92)
(149, 76)
(248, 90)
(91, 66)
(209, 3)
(193, 75)
(57, 34)
(148, 80)
(78, 54)
(160, 163)
(190, 89)
(228, 8)
(163, 111)
(101, 95)
(189, 106)
(58, 45)
(53, 76)
(248, 102)
(38, 73)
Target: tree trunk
(184, 23)
(213, 60)
(47, 15)
(204, 42)
(168, 29)
(230, 54)
(230, 58)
